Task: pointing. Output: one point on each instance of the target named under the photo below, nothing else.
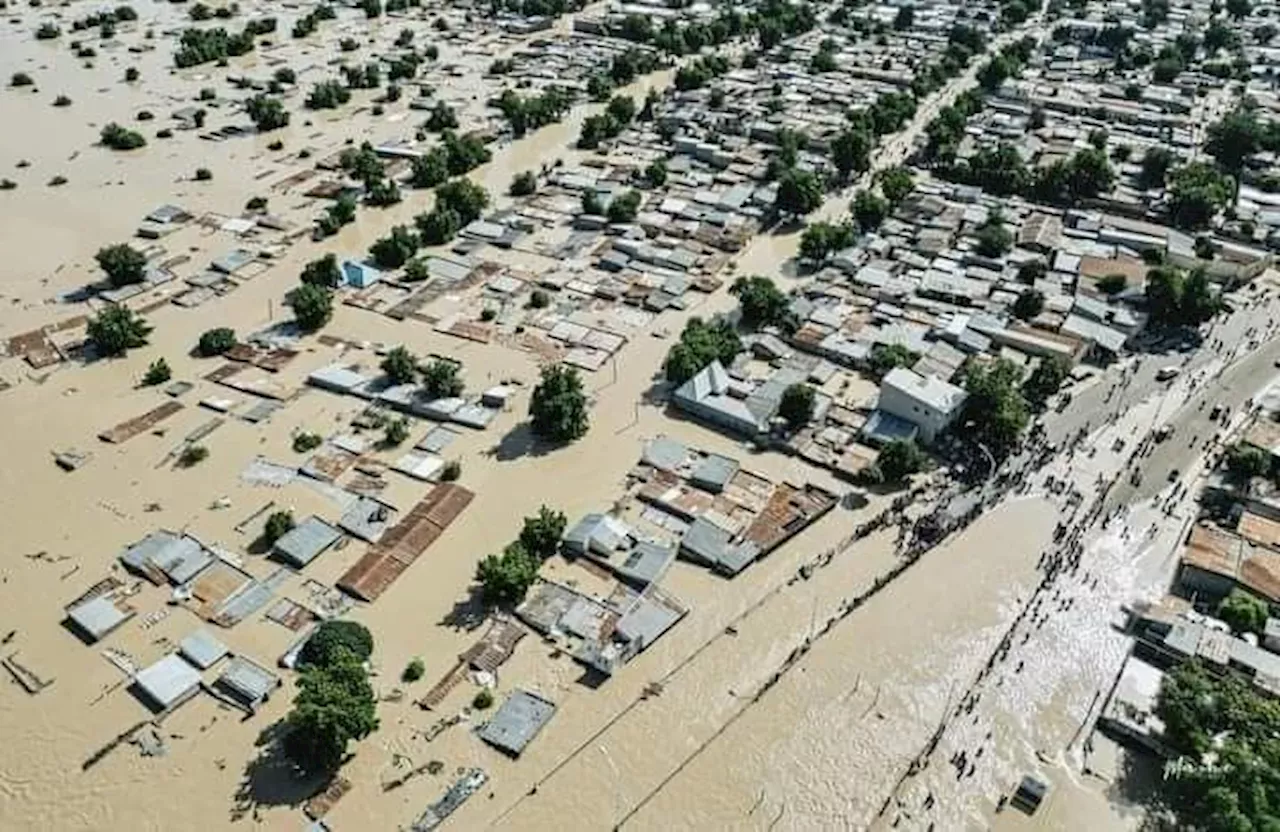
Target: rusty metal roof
(404, 542)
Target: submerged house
(610, 542)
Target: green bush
(413, 671)
(216, 341)
(278, 524)
(396, 432)
(304, 442)
(121, 138)
(193, 455)
(157, 373)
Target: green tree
(381, 192)
(395, 249)
(1166, 69)
(438, 227)
(869, 210)
(334, 706)
(123, 264)
(415, 669)
(331, 639)
(1197, 191)
(823, 61)
(896, 184)
(900, 459)
(505, 578)
(441, 379)
(464, 197)
(558, 406)
(762, 303)
(341, 212)
(442, 117)
(822, 239)
(1234, 138)
(1031, 271)
(395, 432)
(799, 192)
(591, 204)
(994, 240)
(1245, 462)
(541, 534)
(312, 306)
(995, 411)
(1090, 174)
(523, 184)
(796, 407)
(700, 344)
(905, 18)
(327, 95)
(655, 175)
(429, 169)
(851, 151)
(268, 113)
(216, 341)
(1239, 9)
(623, 208)
(995, 72)
(323, 271)
(400, 365)
(279, 523)
(1155, 167)
(1028, 305)
(1112, 284)
(886, 357)
(1046, 379)
(116, 330)
(1243, 613)
(1175, 299)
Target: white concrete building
(928, 402)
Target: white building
(927, 402)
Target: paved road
(1246, 369)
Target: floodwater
(819, 749)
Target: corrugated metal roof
(168, 681)
(306, 541)
(517, 722)
(401, 544)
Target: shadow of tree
(1136, 791)
(467, 613)
(854, 501)
(270, 779)
(520, 442)
(658, 393)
